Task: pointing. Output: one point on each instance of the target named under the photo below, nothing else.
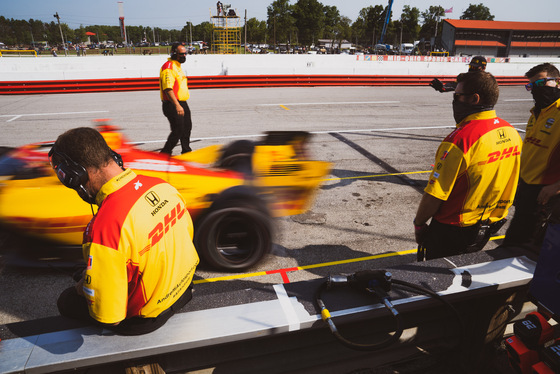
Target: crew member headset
(75, 176)
(174, 47)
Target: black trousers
(72, 305)
(521, 230)
(447, 240)
(181, 127)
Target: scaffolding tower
(226, 32)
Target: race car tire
(237, 156)
(235, 233)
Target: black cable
(325, 315)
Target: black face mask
(181, 59)
(545, 96)
(462, 110)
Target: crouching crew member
(138, 247)
(475, 174)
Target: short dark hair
(174, 47)
(547, 67)
(85, 146)
(482, 83)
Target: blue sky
(173, 14)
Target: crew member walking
(174, 94)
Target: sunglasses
(538, 83)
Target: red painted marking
(283, 273)
(285, 278)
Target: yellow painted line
(325, 264)
(350, 260)
(284, 107)
(230, 277)
(314, 266)
(378, 175)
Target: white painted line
(13, 119)
(285, 303)
(321, 132)
(384, 130)
(16, 116)
(333, 103)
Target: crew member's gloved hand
(437, 85)
(420, 233)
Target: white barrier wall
(99, 67)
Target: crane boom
(386, 22)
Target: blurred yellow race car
(231, 193)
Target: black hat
(478, 61)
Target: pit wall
(21, 69)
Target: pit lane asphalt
(381, 141)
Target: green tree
(256, 31)
(367, 27)
(344, 28)
(332, 21)
(135, 34)
(21, 32)
(410, 23)
(202, 31)
(478, 12)
(53, 33)
(337, 27)
(309, 19)
(432, 25)
(280, 21)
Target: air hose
(378, 283)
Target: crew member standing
(540, 160)
(174, 94)
(475, 176)
(138, 247)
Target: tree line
(302, 23)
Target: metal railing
(18, 52)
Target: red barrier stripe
(227, 81)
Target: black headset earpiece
(75, 176)
(70, 173)
(174, 47)
(118, 159)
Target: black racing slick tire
(233, 238)
(237, 156)
(236, 232)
